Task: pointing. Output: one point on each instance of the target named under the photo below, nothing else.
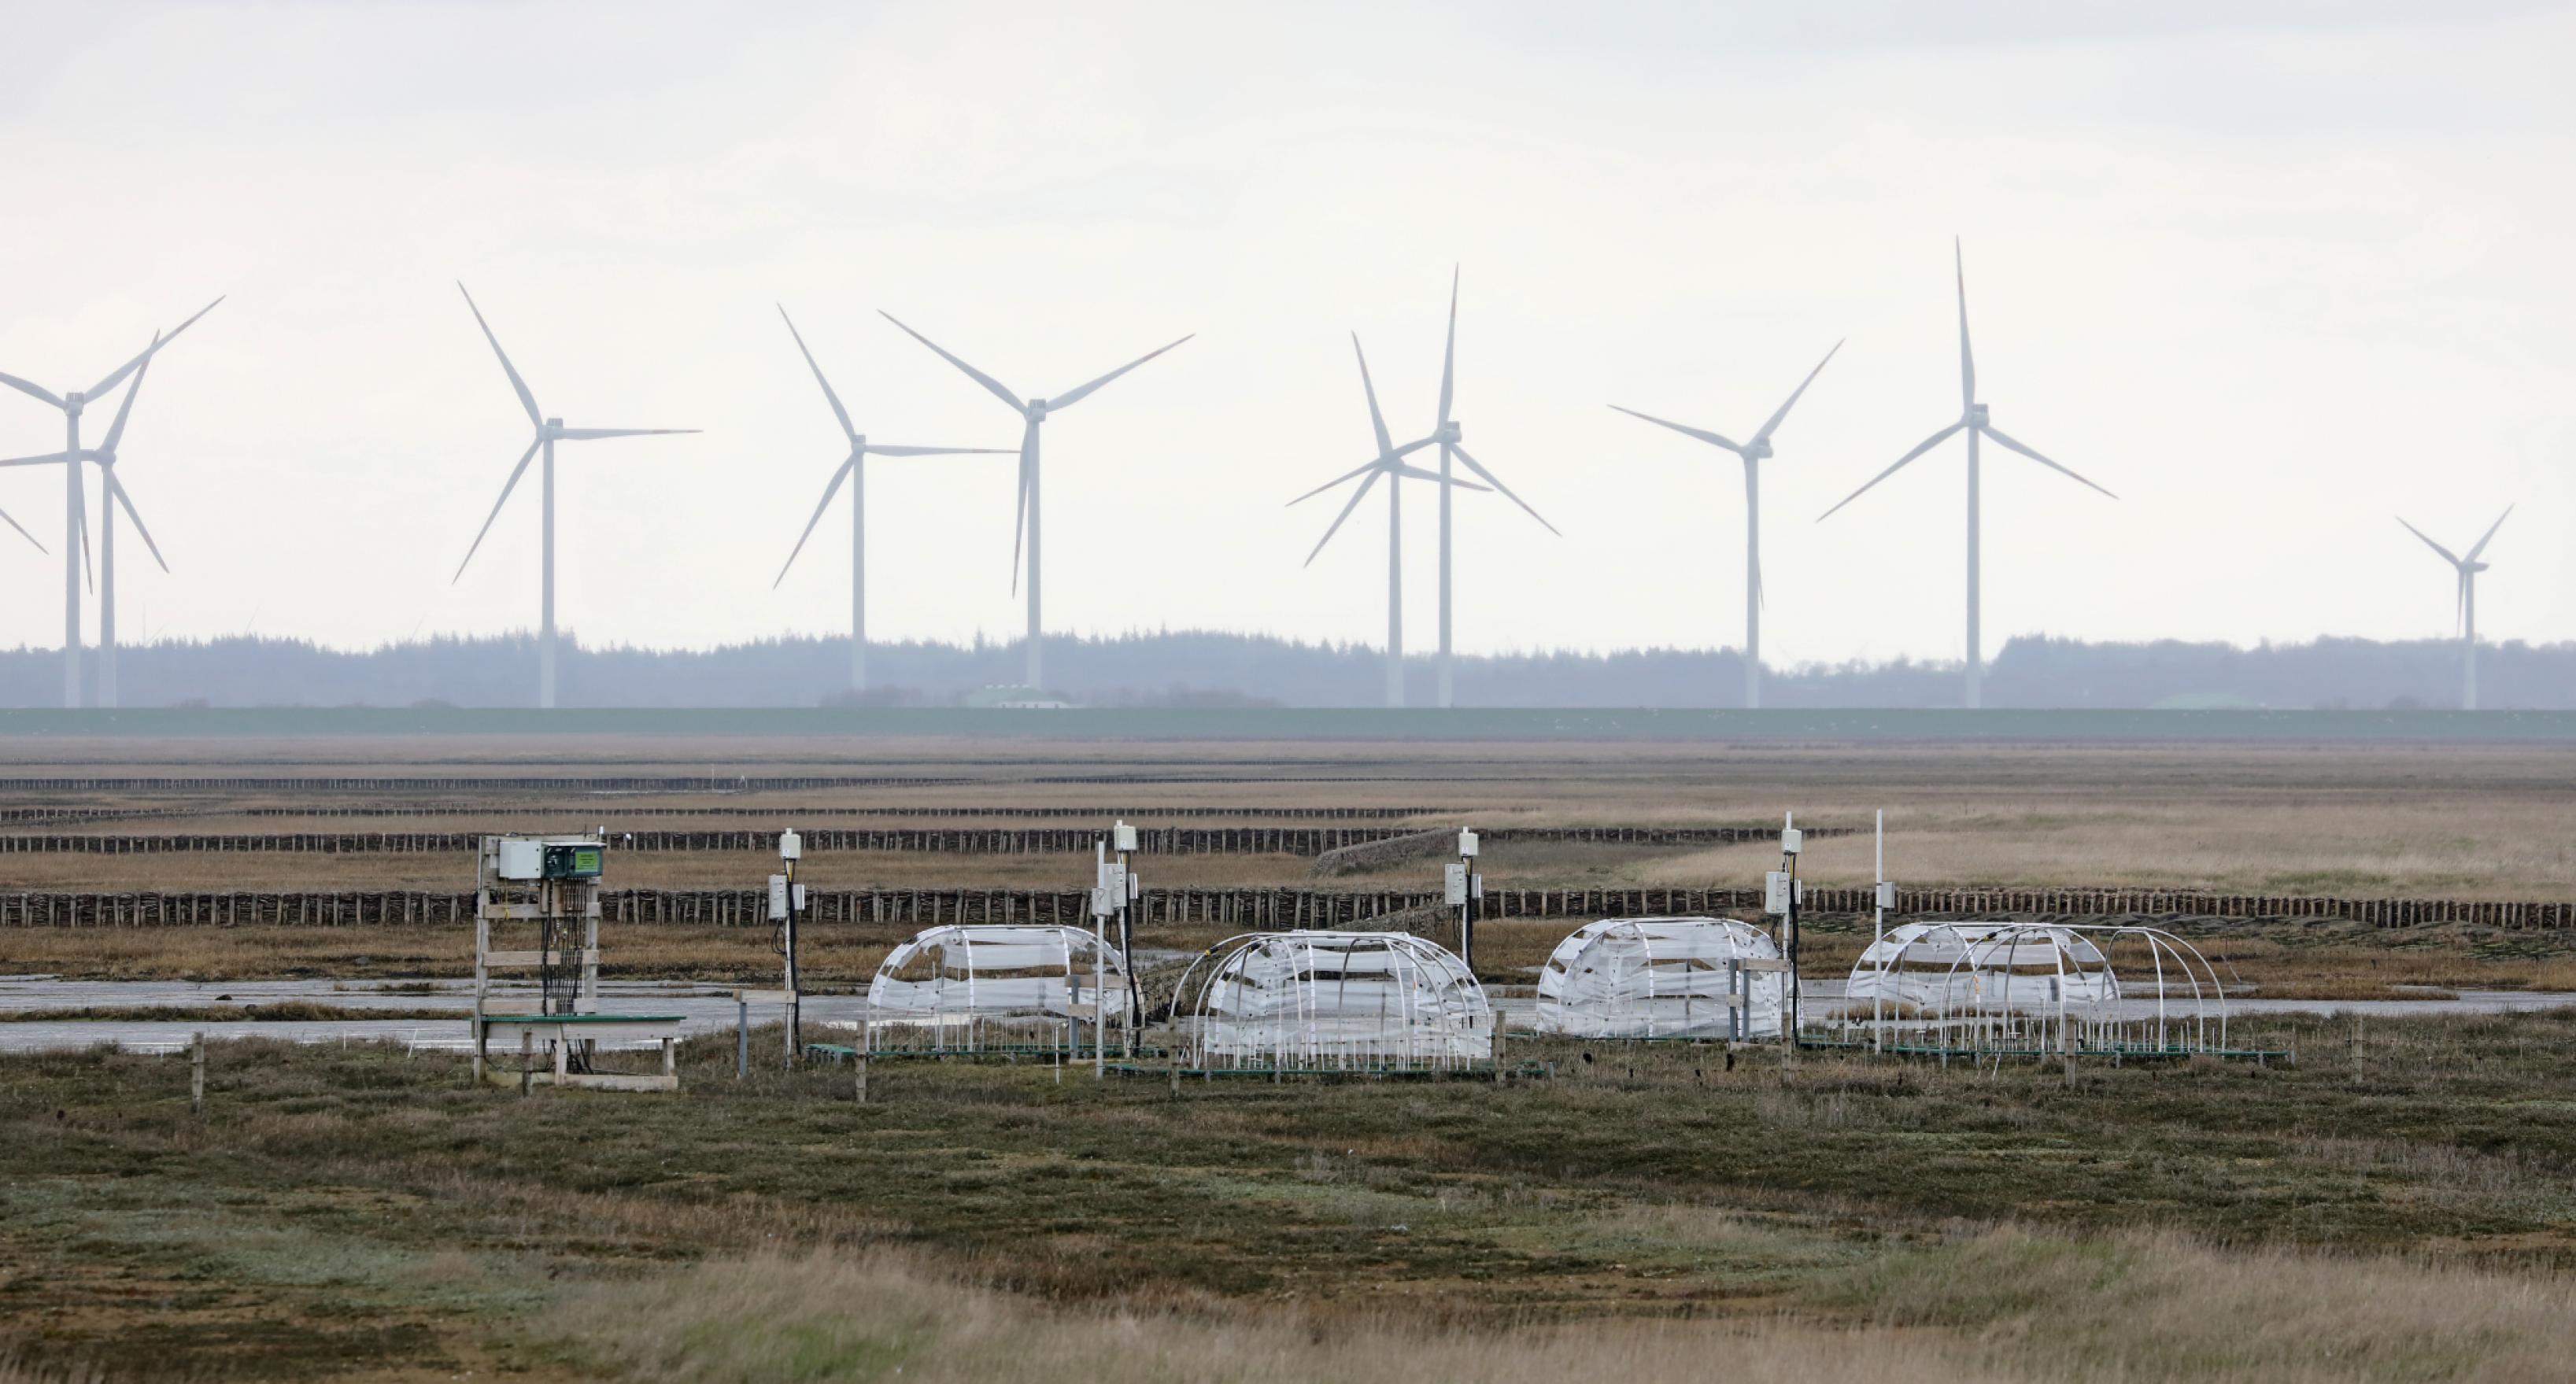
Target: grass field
(2395, 1206)
(2399, 1212)
(2411, 820)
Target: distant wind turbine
(549, 432)
(854, 469)
(1753, 452)
(1447, 433)
(76, 514)
(1389, 463)
(1973, 421)
(2466, 604)
(1026, 523)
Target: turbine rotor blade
(1920, 448)
(1360, 470)
(1419, 474)
(31, 388)
(1489, 478)
(125, 406)
(506, 487)
(527, 400)
(2491, 532)
(116, 491)
(1017, 403)
(2447, 555)
(595, 434)
(49, 458)
(847, 466)
(1076, 394)
(833, 399)
(159, 340)
(1967, 358)
(1703, 434)
(22, 533)
(1449, 354)
(1783, 411)
(2025, 451)
(1377, 420)
(881, 450)
(1353, 504)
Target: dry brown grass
(2447, 821)
(1998, 1305)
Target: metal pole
(546, 600)
(795, 997)
(742, 1039)
(859, 568)
(1878, 939)
(1752, 583)
(72, 554)
(105, 691)
(1976, 648)
(1037, 664)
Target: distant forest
(1214, 669)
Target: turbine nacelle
(1037, 410)
(72, 402)
(1977, 415)
(1756, 450)
(1448, 434)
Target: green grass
(357, 1210)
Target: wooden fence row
(970, 841)
(590, 811)
(644, 783)
(1240, 908)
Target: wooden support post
(197, 1072)
(859, 1060)
(527, 1058)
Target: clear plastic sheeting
(2005, 965)
(959, 986)
(2034, 989)
(1332, 1001)
(1663, 978)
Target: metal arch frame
(1978, 944)
(959, 938)
(1435, 994)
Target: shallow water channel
(707, 1008)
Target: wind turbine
(2466, 605)
(1447, 434)
(854, 470)
(549, 432)
(1389, 462)
(1033, 413)
(1973, 420)
(1753, 452)
(75, 511)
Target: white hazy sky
(2272, 271)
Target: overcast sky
(2273, 272)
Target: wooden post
(859, 1060)
(1499, 1077)
(527, 1058)
(197, 1072)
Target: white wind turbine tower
(1973, 418)
(1389, 463)
(1753, 452)
(75, 508)
(1033, 413)
(2466, 604)
(549, 432)
(854, 469)
(1447, 433)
